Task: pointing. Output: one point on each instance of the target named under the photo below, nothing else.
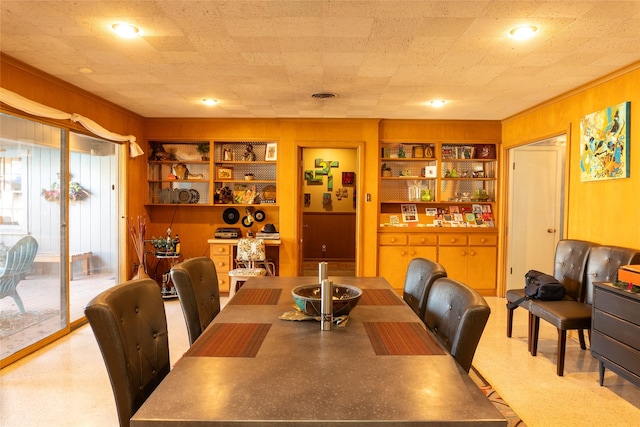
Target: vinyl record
(195, 196)
(231, 215)
(184, 196)
(259, 216)
(246, 221)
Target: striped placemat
(379, 297)
(230, 340)
(266, 296)
(401, 339)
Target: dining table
(251, 367)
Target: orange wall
(603, 212)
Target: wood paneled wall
(604, 212)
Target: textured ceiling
(383, 59)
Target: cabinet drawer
(620, 354)
(483, 240)
(423, 239)
(452, 239)
(392, 239)
(219, 250)
(616, 328)
(618, 305)
(222, 264)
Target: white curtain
(36, 109)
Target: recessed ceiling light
(209, 101)
(85, 70)
(523, 32)
(125, 30)
(437, 103)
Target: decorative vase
(425, 195)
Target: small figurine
(249, 155)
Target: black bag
(540, 286)
(543, 286)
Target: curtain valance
(36, 109)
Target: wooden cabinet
(453, 185)
(471, 259)
(615, 336)
(396, 250)
(177, 173)
(222, 256)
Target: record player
(227, 233)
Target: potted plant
(386, 170)
(203, 149)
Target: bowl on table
(307, 298)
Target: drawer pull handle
(423, 240)
(463, 253)
(472, 253)
(453, 240)
(393, 240)
(403, 253)
(483, 240)
(221, 250)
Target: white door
(535, 208)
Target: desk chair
(196, 281)
(17, 263)
(251, 253)
(130, 325)
(421, 274)
(457, 315)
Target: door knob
(551, 230)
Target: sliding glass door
(58, 236)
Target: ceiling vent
(324, 95)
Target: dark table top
(251, 368)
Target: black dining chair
(130, 325)
(421, 274)
(196, 282)
(457, 315)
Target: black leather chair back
(130, 325)
(457, 315)
(603, 265)
(570, 261)
(196, 281)
(421, 274)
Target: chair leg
(533, 334)
(18, 301)
(562, 345)
(583, 345)
(510, 321)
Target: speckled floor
(65, 384)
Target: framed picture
(271, 152)
(484, 151)
(224, 173)
(604, 144)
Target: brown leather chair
(457, 315)
(130, 325)
(196, 281)
(602, 266)
(421, 274)
(569, 264)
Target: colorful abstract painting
(604, 144)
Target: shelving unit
(453, 174)
(177, 174)
(234, 162)
(460, 179)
